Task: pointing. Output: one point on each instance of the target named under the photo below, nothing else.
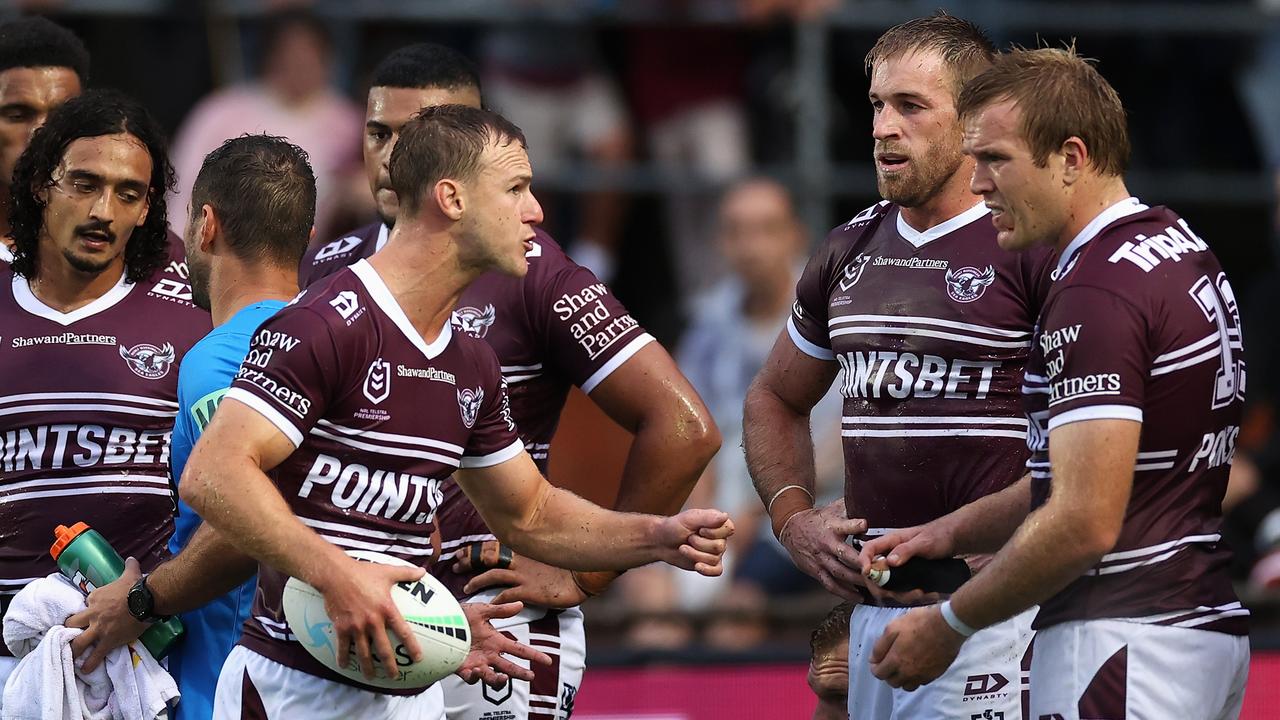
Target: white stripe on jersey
(1195, 360)
(1140, 467)
(513, 379)
(392, 437)
(107, 479)
(115, 490)
(345, 542)
(1203, 342)
(970, 339)
(135, 399)
(1096, 412)
(931, 420)
(520, 368)
(1157, 454)
(269, 629)
(803, 345)
(940, 432)
(363, 531)
(1177, 617)
(916, 320)
(1210, 618)
(126, 409)
(1151, 549)
(464, 540)
(385, 449)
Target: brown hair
(444, 141)
(965, 48)
(1061, 95)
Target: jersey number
(1218, 303)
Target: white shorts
(251, 687)
(7, 666)
(985, 682)
(1113, 669)
(549, 696)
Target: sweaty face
(915, 127)
(1028, 203)
(499, 212)
(387, 111)
(27, 96)
(758, 232)
(98, 197)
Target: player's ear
(1075, 158)
(448, 196)
(208, 227)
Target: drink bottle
(86, 559)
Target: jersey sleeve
(289, 374)
(807, 325)
(493, 438)
(1096, 356)
(586, 331)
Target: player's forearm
(239, 501)
(668, 455)
(1053, 547)
(985, 525)
(566, 531)
(779, 451)
(206, 568)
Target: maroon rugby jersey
(380, 419)
(1141, 324)
(85, 417)
(931, 331)
(558, 326)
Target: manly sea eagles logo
(148, 361)
(473, 321)
(853, 272)
(469, 404)
(377, 383)
(968, 283)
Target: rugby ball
(431, 611)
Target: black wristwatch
(142, 603)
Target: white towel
(48, 685)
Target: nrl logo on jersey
(148, 361)
(473, 321)
(377, 382)
(853, 272)
(469, 403)
(969, 283)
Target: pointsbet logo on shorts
(148, 361)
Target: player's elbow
(1096, 534)
(700, 437)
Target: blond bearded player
(929, 324)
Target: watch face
(139, 601)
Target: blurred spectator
(686, 85)
(549, 81)
(829, 664)
(734, 326)
(292, 98)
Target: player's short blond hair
(1060, 95)
(964, 48)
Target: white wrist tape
(954, 621)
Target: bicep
(796, 378)
(649, 383)
(508, 489)
(1093, 464)
(238, 430)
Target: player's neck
(232, 289)
(1095, 195)
(66, 289)
(423, 274)
(953, 199)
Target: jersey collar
(28, 301)
(1124, 208)
(381, 241)
(920, 238)
(386, 302)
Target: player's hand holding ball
(357, 599)
(695, 540)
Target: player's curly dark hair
(93, 114)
